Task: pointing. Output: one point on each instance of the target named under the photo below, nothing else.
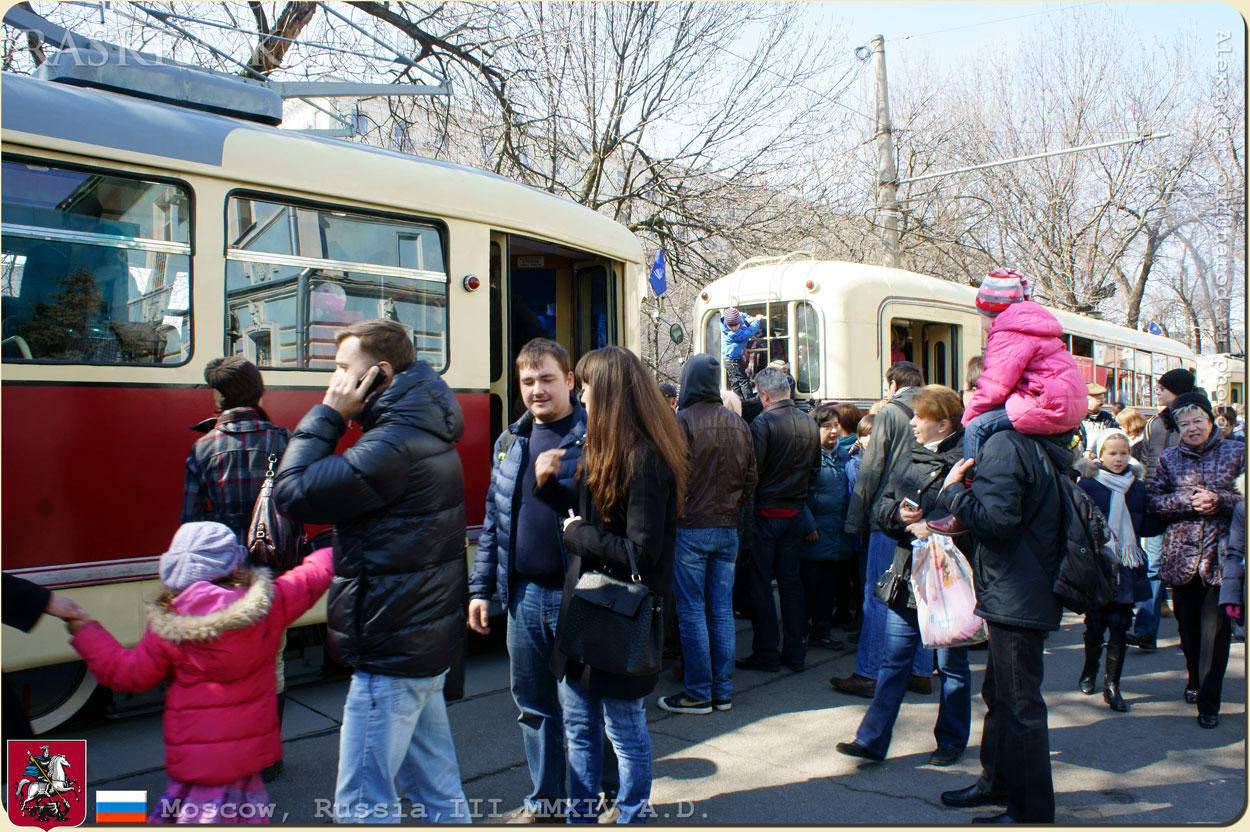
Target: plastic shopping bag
(945, 599)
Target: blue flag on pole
(1154, 329)
(659, 276)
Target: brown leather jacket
(722, 466)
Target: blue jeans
(1148, 611)
(778, 541)
(586, 716)
(902, 638)
(533, 611)
(703, 580)
(872, 634)
(982, 428)
(395, 734)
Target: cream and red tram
(142, 239)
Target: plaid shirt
(226, 468)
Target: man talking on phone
(395, 611)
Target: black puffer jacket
(918, 474)
(1014, 510)
(396, 499)
(787, 455)
(722, 455)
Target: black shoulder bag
(613, 625)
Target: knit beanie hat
(1000, 289)
(200, 552)
(1187, 400)
(1178, 382)
(732, 316)
(235, 381)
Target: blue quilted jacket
(492, 566)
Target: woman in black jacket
(631, 485)
(901, 512)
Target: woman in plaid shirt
(226, 467)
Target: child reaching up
(1030, 383)
(213, 637)
(735, 332)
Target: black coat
(1014, 509)
(396, 499)
(648, 528)
(787, 455)
(24, 603)
(918, 474)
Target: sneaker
(723, 704)
(679, 703)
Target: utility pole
(887, 174)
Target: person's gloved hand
(1233, 611)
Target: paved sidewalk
(771, 759)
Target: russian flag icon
(121, 807)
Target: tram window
(295, 275)
(95, 267)
(807, 348)
(1082, 347)
(712, 335)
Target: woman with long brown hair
(631, 485)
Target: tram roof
(63, 116)
(860, 285)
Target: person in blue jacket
(736, 330)
(1121, 496)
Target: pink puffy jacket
(216, 646)
(1028, 367)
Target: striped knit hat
(1000, 289)
(732, 316)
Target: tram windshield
(795, 340)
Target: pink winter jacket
(216, 648)
(1028, 367)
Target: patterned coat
(1192, 540)
(226, 468)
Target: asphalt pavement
(771, 759)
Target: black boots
(1093, 652)
(1111, 686)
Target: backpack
(1088, 565)
(273, 539)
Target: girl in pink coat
(213, 638)
(1031, 382)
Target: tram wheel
(53, 693)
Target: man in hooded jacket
(396, 609)
(722, 478)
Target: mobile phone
(378, 381)
(910, 503)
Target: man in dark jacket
(1160, 435)
(787, 460)
(889, 448)
(1014, 508)
(722, 477)
(521, 559)
(395, 611)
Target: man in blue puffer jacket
(395, 611)
(521, 559)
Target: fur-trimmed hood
(204, 610)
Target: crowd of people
(695, 500)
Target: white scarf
(1121, 522)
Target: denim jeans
(982, 428)
(703, 579)
(954, 721)
(533, 611)
(1149, 611)
(778, 541)
(395, 734)
(1015, 743)
(586, 717)
(872, 634)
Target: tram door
(932, 344)
(545, 290)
